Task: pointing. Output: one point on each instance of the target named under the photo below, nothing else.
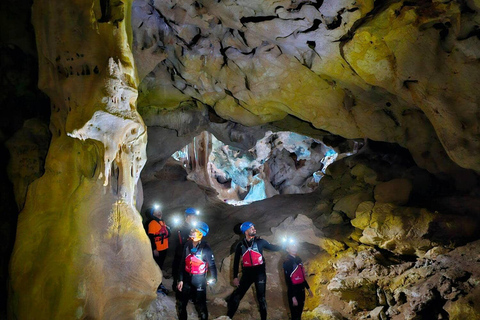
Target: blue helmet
(202, 227)
(190, 211)
(245, 226)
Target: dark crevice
(242, 35)
(256, 19)
(315, 25)
(222, 52)
(194, 40)
(316, 4)
(228, 92)
(443, 27)
(406, 83)
(390, 114)
(337, 21)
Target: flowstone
(81, 251)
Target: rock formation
(80, 248)
(384, 232)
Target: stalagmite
(81, 251)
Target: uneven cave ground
(375, 235)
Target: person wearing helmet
(296, 281)
(180, 237)
(158, 233)
(250, 250)
(197, 261)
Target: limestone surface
(401, 71)
(80, 249)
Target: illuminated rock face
(396, 72)
(81, 251)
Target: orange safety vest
(157, 228)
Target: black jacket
(244, 245)
(179, 237)
(289, 266)
(206, 255)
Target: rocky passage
(378, 243)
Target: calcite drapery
(81, 251)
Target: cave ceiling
(403, 72)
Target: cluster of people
(193, 267)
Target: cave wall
(80, 250)
(395, 71)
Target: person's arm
(267, 245)
(236, 259)
(287, 271)
(151, 236)
(182, 264)
(212, 268)
(169, 232)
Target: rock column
(81, 251)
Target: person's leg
(261, 287)
(175, 270)
(182, 301)
(290, 306)
(200, 282)
(245, 282)
(297, 310)
(301, 303)
(161, 258)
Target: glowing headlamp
(156, 206)
(288, 240)
(211, 281)
(197, 212)
(176, 221)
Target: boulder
(364, 173)
(399, 229)
(349, 204)
(378, 313)
(322, 312)
(355, 288)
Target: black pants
(257, 276)
(298, 293)
(160, 260)
(177, 258)
(195, 288)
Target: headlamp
(288, 240)
(156, 206)
(176, 221)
